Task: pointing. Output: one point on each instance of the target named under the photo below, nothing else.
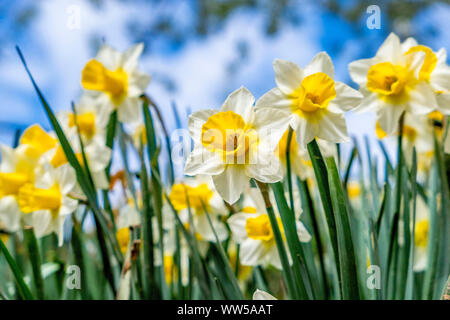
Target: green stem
(35, 258)
(287, 271)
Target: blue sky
(199, 68)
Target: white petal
(268, 169)
(237, 224)
(109, 57)
(130, 110)
(275, 98)
(288, 75)
(303, 234)
(41, 222)
(68, 205)
(66, 178)
(346, 99)
(304, 130)
(231, 182)
(422, 99)
(241, 102)
(443, 101)
(196, 121)
(138, 82)
(252, 252)
(390, 50)
(320, 63)
(388, 116)
(202, 161)
(440, 78)
(358, 70)
(262, 295)
(8, 157)
(408, 44)
(332, 127)
(369, 103)
(99, 156)
(271, 124)
(10, 213)
(131, 57)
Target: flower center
(10, 183)
(59, 158)
(32, 199)
(183, 195)
(315, 93)
(96, 77)
(387, 79)
(249, 209)
(227, 133)
(421, 234)
(259, 228)
(86, 123)
(428, 64)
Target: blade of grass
(348, 270)
(320, 171)
(287, 271)
(23, 289)
(300, 271)
(35, 259)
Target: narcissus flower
(48, 201)
(113, 79)
(314, 102)
(434, 71)
(236, 143)
(390, 84)
(128, 217)
(251, 229)
(91, 117)
(98, 156)
(197, 195)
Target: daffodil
(251, 228)
(314, 102)
(128, 217)
(48, 201)
(434, 71)
(236, 143)
(98, 157)
(113, 79)
(91, 118)
(195, 196)
(390, 84)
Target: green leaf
(348, 270)
(320, 171)
(35, 259)
(23, 289)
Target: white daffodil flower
(128, 217)
(314, 101)
(48, 201)
(262, 295)
(98, 156)
(434, 71)
(91, 117)
(251, 228)
(390, 84)
(113, 80)
(236, 143)
(197, 194)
